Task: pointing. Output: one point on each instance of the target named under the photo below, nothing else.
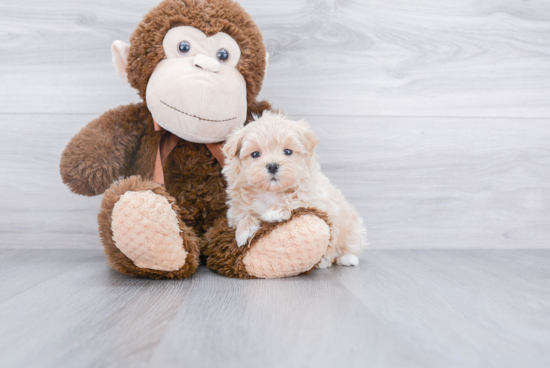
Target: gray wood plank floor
(468, 308)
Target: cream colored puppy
(271, 170)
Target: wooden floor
(434, 119)
(464, 308)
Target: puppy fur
(271, 170)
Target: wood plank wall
(434, 115)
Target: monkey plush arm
(101, 152)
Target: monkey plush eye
(256, 154)
(288, 152)
(222, 55)
(184, 47)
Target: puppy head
(272, 153)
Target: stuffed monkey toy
(198, 65)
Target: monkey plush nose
(272, 168)
(206, 63)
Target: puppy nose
(206, 63)
(272, 168)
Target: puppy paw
(325, 262)
(275, 215)
(347, 260)
(245, 232)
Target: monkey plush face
(198, 64)
(196, 93)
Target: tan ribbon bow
(168, 142)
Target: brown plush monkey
(198, 66)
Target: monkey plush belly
(193, 176)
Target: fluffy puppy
(271, 170)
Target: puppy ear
(307, 137)
(233, 144)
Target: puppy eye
(288, 152)
(222, 55)
(184, 47)
(256, 154)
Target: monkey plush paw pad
(145, 228)
(290, 249)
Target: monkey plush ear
(120, 51)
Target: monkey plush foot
(142, 232)
(277, 250)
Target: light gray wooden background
(434, 117)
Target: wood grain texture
(375, 57)
(442, 182)
(20, 272)
(447, 183)
(433, 119)
(474, 308)
(36, 209)
(463, 307)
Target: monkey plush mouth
(198, 117)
